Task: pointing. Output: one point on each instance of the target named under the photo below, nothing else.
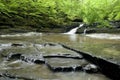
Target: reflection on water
(108, 48)
(41, 72)
(72, 37)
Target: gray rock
(37, 59)
(65, 64)
(90, 68)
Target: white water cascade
(85, 30)
(73, 31)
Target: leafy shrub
(59, 12)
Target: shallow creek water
(107, 48)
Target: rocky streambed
(13, 64)
(38, 56)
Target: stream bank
(61, 28)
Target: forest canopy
(40, 13)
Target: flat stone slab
(59, 62)
(65, 64)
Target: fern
(63, 11)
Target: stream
(35, 46)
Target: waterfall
(84, 31)
(73, 31)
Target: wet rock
(50, 44)
(65, 68)
(90, 68)
(27, 58)
(37, 59)
(65, 64)
(108, 68)
(63, 56)
(38, 45)
(115, 24)
(6, 76)
(17, 44)
(14, 56)
(71, 26)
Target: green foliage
(100, 11)
(58, 12)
